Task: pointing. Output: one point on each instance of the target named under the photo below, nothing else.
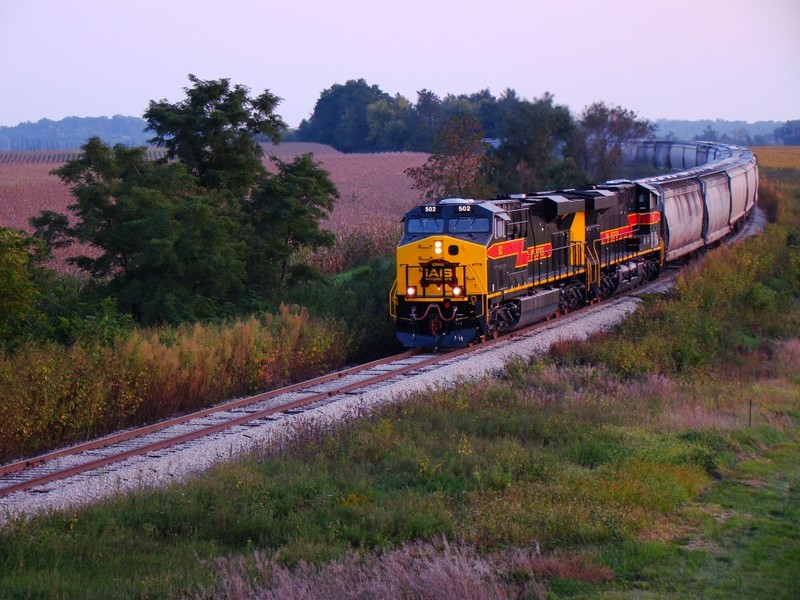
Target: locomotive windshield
(426, 225)
(469, 225)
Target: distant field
(778, 157)
(374, 190)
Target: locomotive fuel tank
(630, 275)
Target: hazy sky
(677, 59)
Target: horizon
(109, 117)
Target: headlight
(437, 247)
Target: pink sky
(678, 59)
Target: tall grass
(53, 396)
(354, 248)
(531, 479)
(441, 571)
(494, 465)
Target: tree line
(360, 117)
(72, 132)
(208, 231)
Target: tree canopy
(534, 144)
(359, 117)
(532, 140)
(789, 133)
(341, 116)
(460, 167)
(205, 232)
(602, 129)
(284, 215)
(213, 132)
(161, 245)
(20, 268)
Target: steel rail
(211, 429)
(40, 460)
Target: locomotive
(470, 269)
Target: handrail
(393, 302)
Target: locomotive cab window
(425, 225)
(469, 225)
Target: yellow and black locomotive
(468, 270)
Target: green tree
(389, 123)
(532, 138)
(340, 116)
(488, 112)
(213, 132)
(788, 133)
(602, 130)
(428, 116)
(160, 243)
(460, 166)
(709, 134)
(284, 215)
(203, 233)
(565, 174)
(20, 271)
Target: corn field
(374, 192)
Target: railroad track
(35, 473)
(41, 475)
(22, 481)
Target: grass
(740, 540)
(496, 468)
(53, 396)
(466, 466)
(581, 474)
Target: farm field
(778, 157)
(367, 183)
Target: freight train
(469, 269)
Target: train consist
(468, 270)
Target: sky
(673, 59)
